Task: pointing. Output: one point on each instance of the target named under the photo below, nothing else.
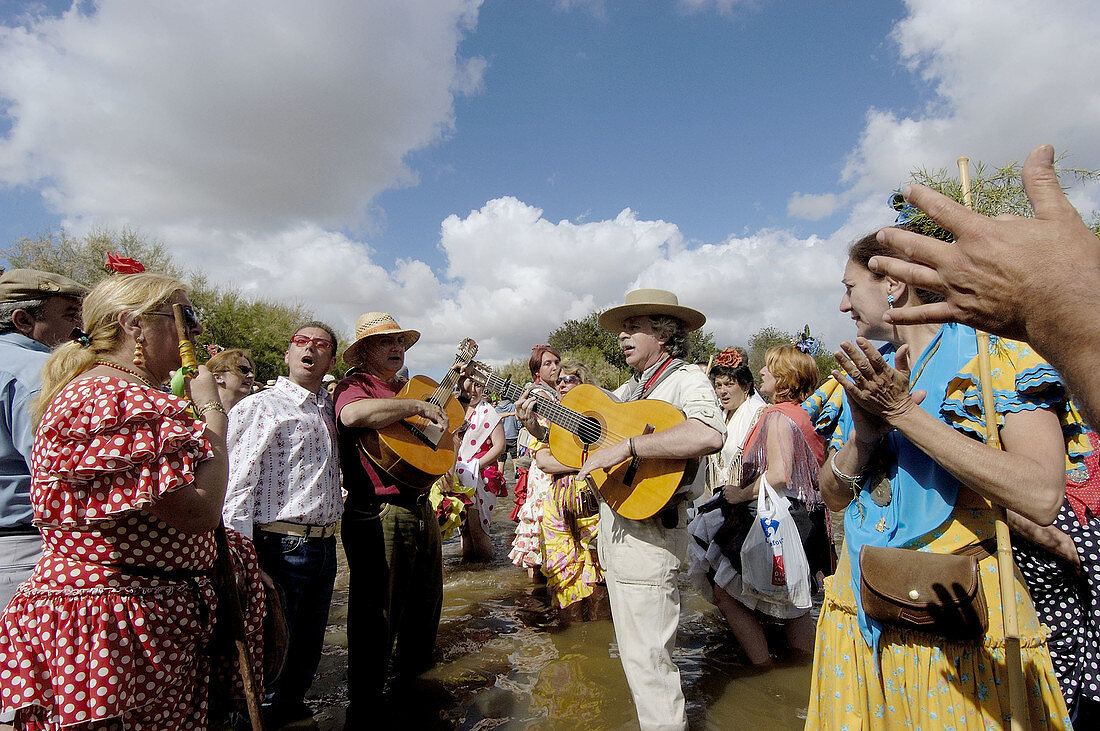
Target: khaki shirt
(688, 389)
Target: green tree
(230, 320)
(769, 337)
(586, 335)
(574, 335)
(516, 370)
(607, 375)
(993, 192)
(82, 259)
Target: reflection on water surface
(506, 662)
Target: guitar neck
(557, 414)
(446, 387)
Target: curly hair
(674, 333)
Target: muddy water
(505, 661)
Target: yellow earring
(139, 355)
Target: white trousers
(641, 560)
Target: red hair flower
(122, 264)
(730, 358)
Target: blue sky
(706, 120)
(492, 168)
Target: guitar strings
(442, 392)
(571, 420)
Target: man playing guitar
(390, 532)
(642, 557)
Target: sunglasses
(189, 317)
(245, 370)
(303, 341)
(569, 379)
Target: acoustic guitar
(416, 451)
(586, 420)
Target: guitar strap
(651, 379)
(669, 515)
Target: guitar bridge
(429, 435)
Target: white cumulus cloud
(254, 114)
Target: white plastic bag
(773, 562)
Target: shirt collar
(297, 393)
(648, 372)
(23, 341)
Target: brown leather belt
(299, 530)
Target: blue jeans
(304, 569)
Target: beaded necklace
(124, 369)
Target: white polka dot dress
(115, 621)
(1068, 604)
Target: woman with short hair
(234, 372)
(782, 451)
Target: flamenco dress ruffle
(116, 619)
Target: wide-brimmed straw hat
(376, 323)
(651, 302)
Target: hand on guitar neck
(525, 412)
(409, 436)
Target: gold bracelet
(210, 406)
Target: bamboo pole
(189, 365)
(1006, 569)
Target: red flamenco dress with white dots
(116, 621)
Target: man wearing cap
(390, 535)
(284, 493)
(642, 558)
(38, 312)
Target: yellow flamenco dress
(876, 677)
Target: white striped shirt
(283, 464)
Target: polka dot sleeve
(107, 447)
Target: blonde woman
(234, 372)
(113, 627)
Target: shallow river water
(506, 662)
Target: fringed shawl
(803, 450)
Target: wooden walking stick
(1006, 569)
(189, 368)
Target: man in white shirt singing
(284, 493)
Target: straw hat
(371, 324)
(651, 302)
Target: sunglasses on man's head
(189, 317)
(303, 341)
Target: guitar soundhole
(589, 430)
